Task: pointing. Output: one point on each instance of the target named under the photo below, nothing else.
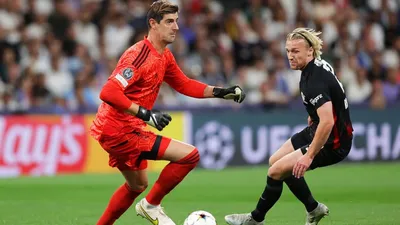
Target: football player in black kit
(325, 141)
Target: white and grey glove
(154, 118)
(235, 93)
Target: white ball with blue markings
(200, 218)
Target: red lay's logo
(42, 145)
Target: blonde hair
(311, 38)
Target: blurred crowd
(57, 54)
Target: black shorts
(328, 155)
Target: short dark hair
(160, 8)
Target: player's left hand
(302, 166)
(235, 93)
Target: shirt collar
(308, 67)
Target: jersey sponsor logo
(127, 73)
(315, 100)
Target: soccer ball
(200, 218)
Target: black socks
(300, 189)
(269, 197)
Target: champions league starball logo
(215, 144)
(127, 73)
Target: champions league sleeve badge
(127, 73)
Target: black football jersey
(319, 85)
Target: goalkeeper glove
(154, 118)
(236, 93)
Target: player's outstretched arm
(196, 89)
(113, 95)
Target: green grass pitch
(357, 194)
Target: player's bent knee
(178, 151)
(197, 160)
(192, 158)
(275, 172)
(138, 186)
(136, 180)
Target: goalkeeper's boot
(241, 219)
(317, 214)
(154, 214)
